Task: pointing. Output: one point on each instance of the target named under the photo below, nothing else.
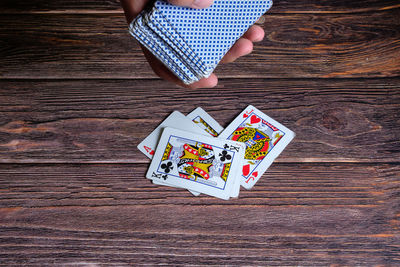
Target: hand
(242, 47)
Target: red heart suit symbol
(245, 115)
(254, 119)
(246, 169)
(255, 174)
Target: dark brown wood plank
(298, 214)
(279, 6)
(332, 6)
(103, 121)
(296, 46)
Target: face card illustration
(264, 138)
(178, 120)
(205, 121)
(200, 163)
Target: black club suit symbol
(224, 156)
(167, 167)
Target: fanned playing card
(175, 120)
(198, 121)
(201, 163)
(205, 121)
(202, 157)
(265, 139)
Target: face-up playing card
(201, 163)
(212, 127)
(205, 121)
(265, 139)
(179, 121)
(175, 120)
(160, 182)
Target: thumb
(192, 3)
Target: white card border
(199, 112)
(269, 159)
(188, 184)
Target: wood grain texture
(296, 46)
(279, 6)
(298, 214)
(77, 96)
(103, 121)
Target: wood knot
(330, 121)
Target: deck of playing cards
(194, 152)
(191, 42)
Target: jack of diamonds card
(201, 163)
(264, 138)
(205, 121)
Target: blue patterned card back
(212, 31)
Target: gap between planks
(112, 12)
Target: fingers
(244, 45)
(160, 69)
(241, 48)
(133, 7)
(209, 82)
(255, 34)
(192, 3)
(166, 74)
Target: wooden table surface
(77, 96)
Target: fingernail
(201, 3)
